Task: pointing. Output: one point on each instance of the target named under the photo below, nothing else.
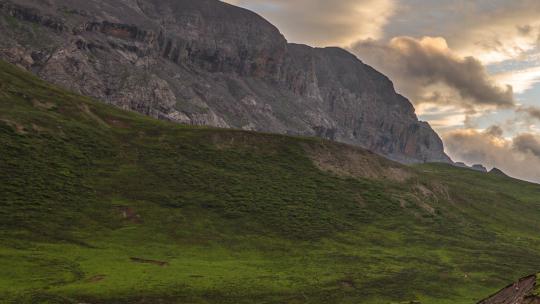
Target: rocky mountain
(205, 62)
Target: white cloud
(442, 117)
(323, 22)
(427, 71)
(521, 80)
(490, 30)
(507, 34)
(518, 156)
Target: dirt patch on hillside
(231, 139)
(440, 191)
(97, 278)
(117, 123)
(130, 214)
(38, 128)
(19, 128)
(350, 161)
(433, 191)
(424, 191)
(411, 200)
(43, 105)
(89, 113)
(360, 200)
(146, 261)
(347, 283)
(425, 206)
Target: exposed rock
(461, 165)
(479, 168)
(497, 171)
(209, 63)
(521, 292)
(147, 261)
(346, 160)
(32, 15)
(17, 56)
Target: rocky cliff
(205, 62)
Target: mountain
(497, 171)
(100, 205)
(205, 62)
(480, 168)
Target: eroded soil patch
(146, 261)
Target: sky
(470, 67)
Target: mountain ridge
(211, 63)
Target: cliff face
(209, 63)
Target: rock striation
(209, 63)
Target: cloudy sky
(470, 67)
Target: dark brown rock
(521, 292)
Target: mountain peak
(497, 171)
(210, 63)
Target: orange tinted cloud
(518, 156)
(426, 70)
(323, 22)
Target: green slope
(99, 205)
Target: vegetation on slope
(100, 205)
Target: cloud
(501, 32)
(518, 156)
(527, 143)
(323, 22)
(490, 30)
(531, 111)
(495, 131)
(442, 117)
(521, 80)
(426, 70)
(444, 74)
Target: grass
(238, 217)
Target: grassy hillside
(99, 205)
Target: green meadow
(100, 205)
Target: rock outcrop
(461, 165)
(479, 168)
(497, 171)
(205, 62)
(522, 292)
